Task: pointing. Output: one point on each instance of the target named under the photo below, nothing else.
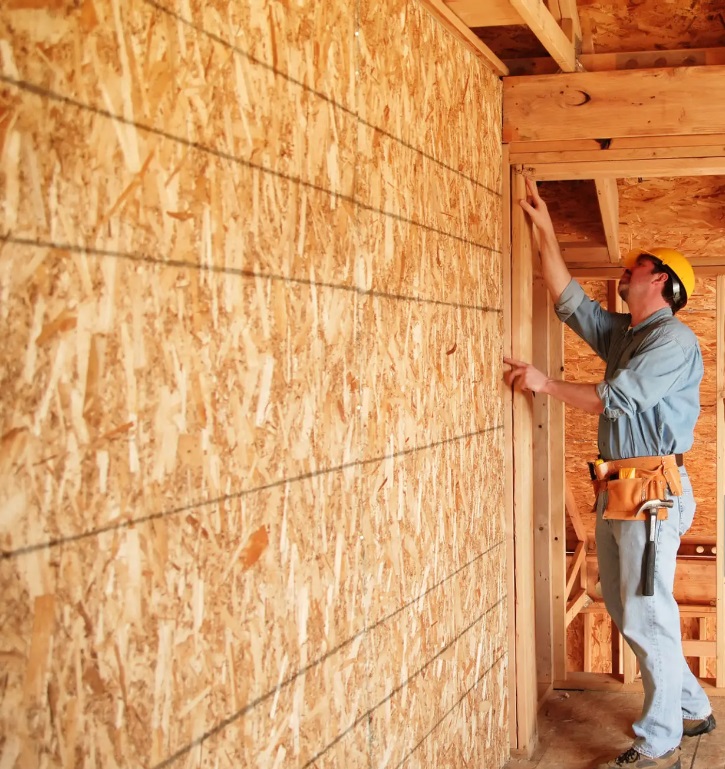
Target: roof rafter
(536, 15)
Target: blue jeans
(651, 624)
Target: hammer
(650, 549)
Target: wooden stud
(617, 642)
(702, 633)
(720, 483)
(629, 661)
(587, 641)
(523, 503)
(542, 309)
(614, 300)
(582, 105)
(558, 501)
(608, 198)
(508, 464)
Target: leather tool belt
(623, 485)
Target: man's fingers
(526, 206)
(514, 362)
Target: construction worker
(648, 404)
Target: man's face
(639, 281)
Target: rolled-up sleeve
(587, 318)
(648, 376)
(568, 303)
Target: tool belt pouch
(623, 496)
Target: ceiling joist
(609, 208)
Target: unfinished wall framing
(252, 441)
(548, 138)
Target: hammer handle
(649, 566)
(649, 555)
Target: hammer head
(653, 504)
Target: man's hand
(536, 208)
(524, 376)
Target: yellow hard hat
(671, 259)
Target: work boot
(633, 759)
(693, 727)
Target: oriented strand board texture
(252, 449)
(684, 212)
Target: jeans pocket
(686, 505)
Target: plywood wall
(252, 446)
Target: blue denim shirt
(651, 387)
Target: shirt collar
(665, 312)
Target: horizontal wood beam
(604, 105)
(686, 610)
(704, 267)
(440, 11)
(627, 169)
(607, 62)
(606, 682)
(585, 254)
(605, 146)
(692, 647)
(624, 155)
(592, 262)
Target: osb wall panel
(251, 427)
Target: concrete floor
(578, 730)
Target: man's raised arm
(556, 275)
